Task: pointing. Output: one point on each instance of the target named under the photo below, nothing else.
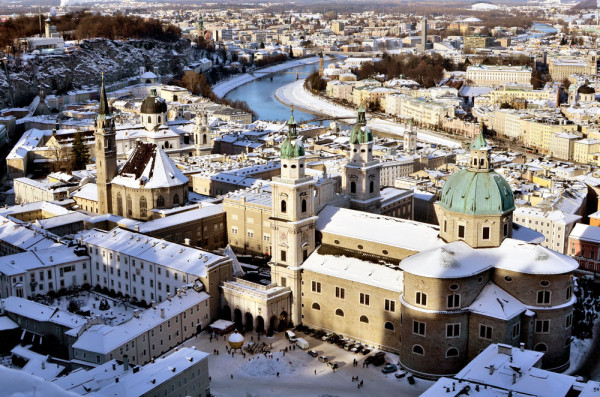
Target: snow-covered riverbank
(295, 94)
(221, 89)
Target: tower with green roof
(293, 219)
(476, 203)
(362, 173)
(105, 151)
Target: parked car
(326, 336)
(357, 349)
(302, 343)
(323, 359)
(290, 335)
(366, 351)
(349, 346)
(400, 374)
(312, 353)
(388, 369)
(333, 365)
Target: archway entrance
(249, 323)
(237, 319)
(272, 324)
(226, 313)
(260, 325)
(283, 321)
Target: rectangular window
(569, 320)
(390, 305)
(340, 293)
(486, 233)
(364, 299)
(485, 332)
(543, 297)
(542, 326)
(421, 298)
(418, 328)
(453, 330)
(453, 301)
(516, 331)
(316, 287)
(283, 256)
(461, 231)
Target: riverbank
(221, 89)
(294, 94)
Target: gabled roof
(149, 167)
(494, 302)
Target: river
(259, 94)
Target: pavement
(299, 373)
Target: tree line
(426, 70)
(83, 25)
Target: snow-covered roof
(24, 261)
(188, 259)
(89, 191)
(494, 302)
(104, 338)
(149, 167)
(42, 313)
(380, 275)
(410, 235)
(586, 233)
(508, 360)
(151, 376)
(178, 219)
(458, 259)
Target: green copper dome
(291, 148)
(360, 132)
(477, 193)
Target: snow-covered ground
(256, 375)
(116, 314)
(295, 94)
(221, 89)
(579, 353)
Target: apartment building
(586, 151)
(392, 169)
(555, 225)
(488, 75)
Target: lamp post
(10, 89)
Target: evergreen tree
(291, 55)
(81, 154)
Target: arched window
(143, 206)
(371, 186)
(452, 352)
(541, 347)
(119, 204)
(204, 139)
(364, 319)
(418, 349)
(352, 187)
(339, 312)
(176, 199)
(389, 325)
(129, 206)
(160, 202)
(316, 306)
(303, 205)
(283, 206)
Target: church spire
(104, 109)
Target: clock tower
(293, 219)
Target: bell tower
(202, 139)
(106, 152)
(410, 138)
(293, 219)
(361, 172)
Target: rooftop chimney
(491, 369)
(168, 296)
(153, 303)
(179, 292)
(186, 241)
(136, 313)
(125, 362)
(522, 346)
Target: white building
(554, 225)
(488, 75)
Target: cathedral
(148, 180)
(437, 296)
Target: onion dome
(236, 340)
(361, 133)
(477, 190)
(153, 104)
(292, 146)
